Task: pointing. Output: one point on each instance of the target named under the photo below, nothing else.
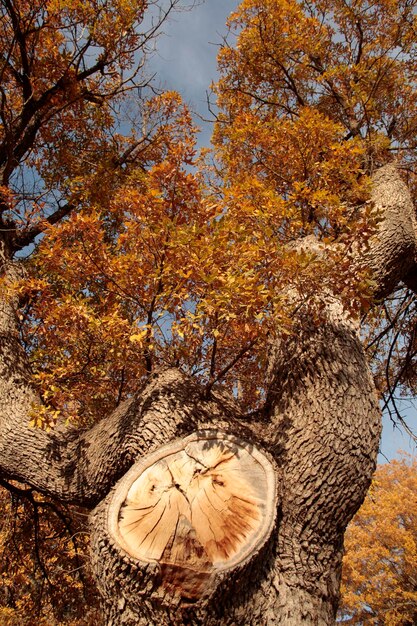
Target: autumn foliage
(140, 253)
(380, 563)
(150, 256)
(168, 261)
(66, 67)
(313, 97)
(181, 264)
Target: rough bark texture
(392, 256)
(326, 418)
(321, 431)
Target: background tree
(202, 330)
(379, 567)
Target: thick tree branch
(322, 404)
(392, 252)
(26, 237)
(82, 467)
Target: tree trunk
(323, 435)
(203, 516)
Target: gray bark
(321, 428)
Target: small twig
(214, 379)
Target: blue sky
(186, 62)
(186, 54)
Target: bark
(320, 434)
(392, 256)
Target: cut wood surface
(201, 504)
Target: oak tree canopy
(262, 291)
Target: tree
(228, 431)
(379, 567)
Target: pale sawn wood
(200, 505)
